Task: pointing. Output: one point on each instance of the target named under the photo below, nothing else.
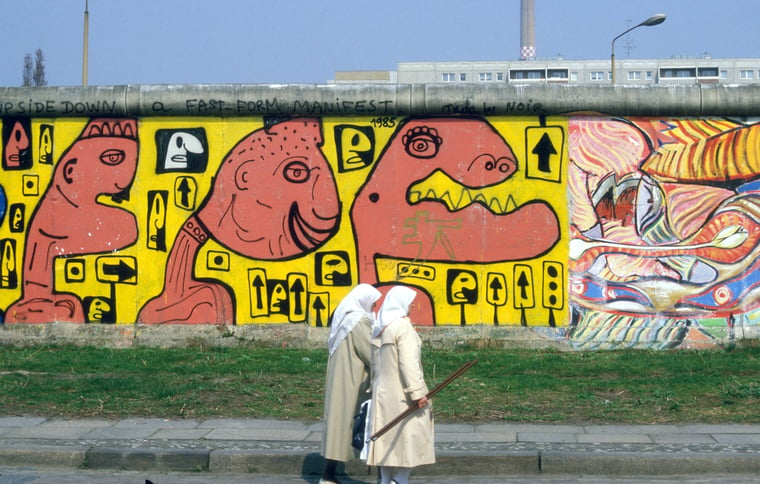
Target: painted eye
(506, 165)
(502, 165)
(296, 172)
(422, 142)
(112, 157)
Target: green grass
(637, 387)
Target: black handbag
(360, 422)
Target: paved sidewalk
(292, 447)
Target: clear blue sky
(306, 41)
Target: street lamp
(85, 46)
(651, 21)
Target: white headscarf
(356, 305)
(395, 306)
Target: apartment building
(675, 70)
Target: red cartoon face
(443, 190)
(102, 161)
(274, 195)
(17, 147)
(99, 166)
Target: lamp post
(651, 21)
(85, 42)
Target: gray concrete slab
(238, 423)
(144, 459)
(721, 428)
(681, 438)
(613, 438)
(476, 437)
(20, 421)
(740, 438)
(180, 434)
(563, 429)
(50, 432)
(630, 429)
(116, 433)
(66, 456)
(82, 423)
(454, 428)
(647, 463)
(252, 433)
(546, 436)
(155, 423)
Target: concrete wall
(578, 217)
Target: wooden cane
(412, 408)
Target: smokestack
(527, 31)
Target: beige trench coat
(346, 388)
(397, 382)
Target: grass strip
(516, 385)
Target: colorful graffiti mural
(618, 232)
(664, 230)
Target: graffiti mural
(606, 232)
(665, 231)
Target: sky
(306, 41)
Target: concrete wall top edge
(231, 100)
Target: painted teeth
(441, 188)
(464, 198)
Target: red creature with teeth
(274, 197)
(448, 190)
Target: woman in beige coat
(347, 374)
(397, 383)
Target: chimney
(527, 31)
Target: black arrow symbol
(495, 287)
(258, 284)
(122, 270)
(523, 283)
(544, 149)
(184, 190)
(296, 289)
(318, 306)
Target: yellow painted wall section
(290, 214)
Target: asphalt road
(21, 475)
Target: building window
(556, 74)
(649, 75)
(747, 74)
(533, 74)
(462, 77)
(574, 76)
(676, 72)
(485, 76)
(723, 74)
(448, 77)
(707, 72)
(634, 75)
(499, 76)
(597, 76)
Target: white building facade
(676, 70)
